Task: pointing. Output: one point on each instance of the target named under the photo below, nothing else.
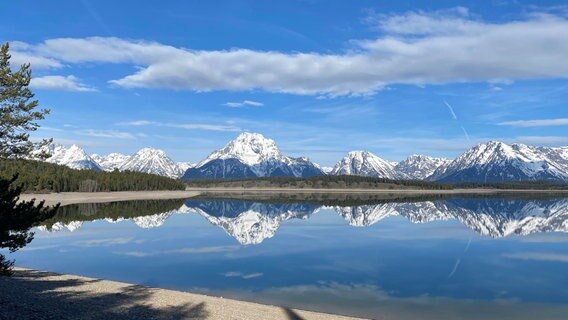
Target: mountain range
(147, 160)
(252, 155)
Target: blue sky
(319, 77)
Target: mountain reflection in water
(376, 256)
(252, 221)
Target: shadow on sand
(30, 295)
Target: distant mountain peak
(365, 163)
(154, 161)
(251, 155)
(249, 148)
(73, 157)
(496, 161)
(418, 166)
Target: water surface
(376, 256)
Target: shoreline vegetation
(358, 182)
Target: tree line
(36, 176)
(323, 182)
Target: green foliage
(358, 182)
(514, 185)
(18, 115)
(37, 176)
(16, 220)
(319, 182)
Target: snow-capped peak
(364, 163)
(154, 161)
(419, 166)
(497, 161)
(249, 148)
(111, 161)
(73, 157)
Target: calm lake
(383, 256)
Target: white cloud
(187, 126)
(245, 276)
(67, 83)
(243, 104)
(536, 123)
(207, 127)
(539, 256)
(543, 140)
(106, 134)
(137, 123)
(416, 48)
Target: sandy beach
(65, 198)
(41, 295)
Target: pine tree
(18, 116)
(18, 112)
(16, 220)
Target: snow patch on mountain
(153, 161)
(364, 163)
(111, 161)
(420, 166)
(252, 155)
(73, 157)
(496, 161)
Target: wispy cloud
(106, 134)
(137, 123)
(66, 83)
(536, 123)
(234, 274)
(539, 256)
(243, 104)
(187, 126)
(543, 140)
(207, 127)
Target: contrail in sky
(456, 265)
(465, 132)
(455, 117)
(451, 110)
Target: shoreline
(66, 198)
(379, 191)
(61, 296)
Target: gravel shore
(42, 295)
(66, 198)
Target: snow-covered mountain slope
(72, 157)
(183, 166)
(364, 163)
(497, 161)
(251, 155)
(420, 166)
(154, 161)
(326, 170)
(111, 161)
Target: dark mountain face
(220, 169)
